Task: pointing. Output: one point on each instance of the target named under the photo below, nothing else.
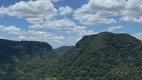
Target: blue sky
(64, 22)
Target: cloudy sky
(64, 22)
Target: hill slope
(63, 49)
(105, 56)
(24, 60)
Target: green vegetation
(104, 56)
(49, 78)
(63, 49)
(24, 60)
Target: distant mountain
(104, 56)
(63, 49)
(24, 60)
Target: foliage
(24, 60)
(104, 56)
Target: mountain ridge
(97, 57)
(19, 58)
(103, 56)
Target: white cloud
(110, 5)
(31, 10)
(11, 29)
(34, 11)
(90, 16)
(64, 25)
(22, 37)
(132, 19)
(39, 14)
(106, 11)
(55, 41)
(1, 38)
(114, 28)
(81, 31)
(91, 19)
(36, 26)
(51, 0)
(65, 10)
(1, 27)
(35, 20)
(138, 35)
(35, 35)
(48, 37)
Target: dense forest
(103, 56)
(24, 60)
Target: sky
(65, 22)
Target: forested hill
(103, 56)
(24, 60)
(20, 48)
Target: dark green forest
(103, 56)
(24, 60)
